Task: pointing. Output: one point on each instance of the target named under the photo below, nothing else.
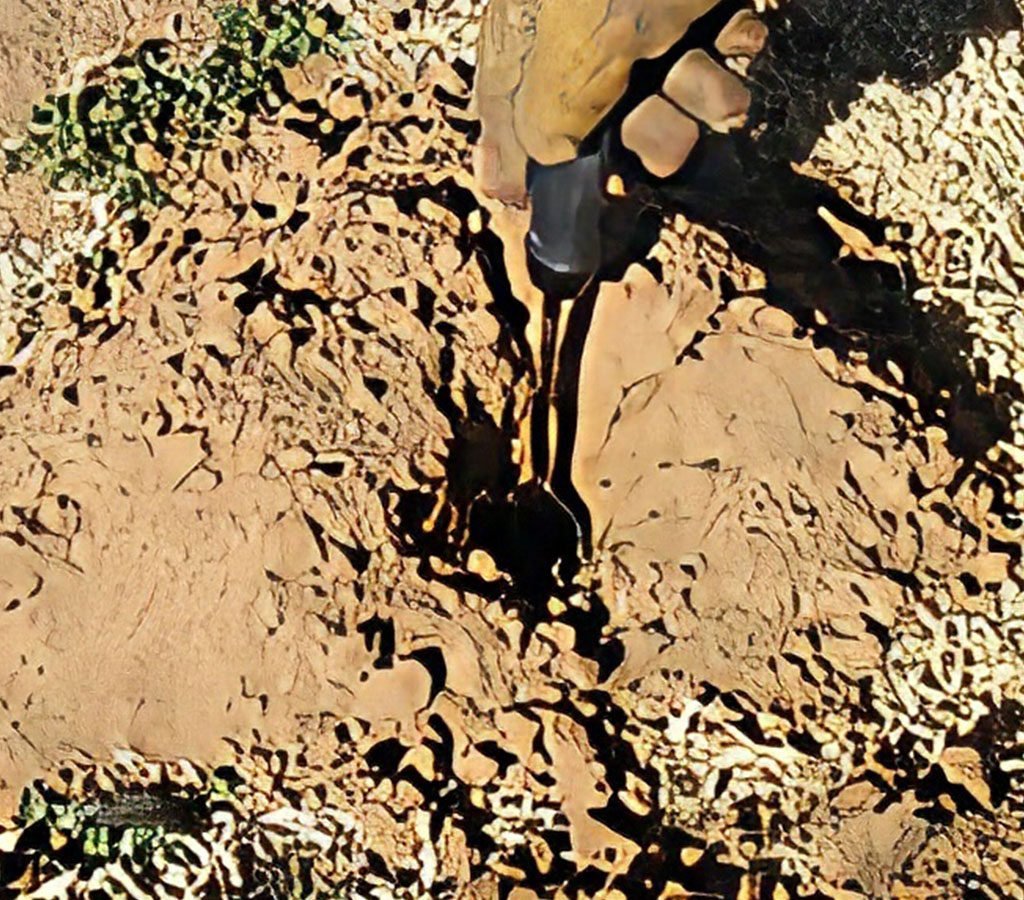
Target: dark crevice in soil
(566, 398)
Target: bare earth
(204, 550)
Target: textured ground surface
(266, 629)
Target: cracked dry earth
(261, 631)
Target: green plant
(119, 133)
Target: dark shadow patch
(379, 637)
(821, 53)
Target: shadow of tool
(819, 56)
